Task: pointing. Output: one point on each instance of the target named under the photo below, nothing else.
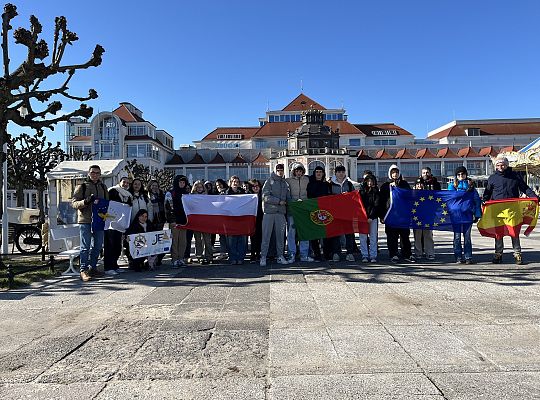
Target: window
(450, 167)
(313, 164)
(84, 131)
(241, 172)
(435, 166)
(382, 171)
(260, 173)
(476, 167)
(360, 168)
(384, 142)
(137, 130)
(217, 173)
(261, 144)
(472, 131)
(282, 143)
(354, 142)
(410, 169)
(194, 174)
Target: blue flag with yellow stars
(441, 210)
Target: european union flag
(442, 210)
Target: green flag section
(329, 216)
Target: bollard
(51, 264)
(10, 276)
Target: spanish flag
(329, 216)
(505, 217)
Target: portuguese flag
(329, 216)
(506, 217)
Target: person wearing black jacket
(176, 217)
(113, 238)
(256, 239)
(140, 224)
(395, 235)
(506, 184)
(318, 186)
(423, 238)
(369, 192)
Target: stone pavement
(307, 331)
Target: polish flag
(228, 215)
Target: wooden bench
(70, 235)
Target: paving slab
(45, 391)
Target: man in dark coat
(506, 184)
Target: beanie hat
(280, 166)
(461, 170)
(501, 160)
(339, 168)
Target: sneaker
(459, 261)
(395, 259)
(350, 258)
(373, 260)
(469, 261)
(497, 258)
(307, 259)
(518, 259)
(431, 257)
(281, 260)
(111, 272)
(365, 260)
(411, 259)
(262, 262)
(221, 257)
(336, 258)
(85, 276)
(291, 259)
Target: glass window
(137, 130)
(410, 169)
(282, 143)
(450, 167)
(476, 167)
(132, 150)
(282, 118)
(241, 172)
(435, 166)
(194, 174)
(382, 171)
(260, 173)
(217, 173)
(384, 142)
(271, 118)
(354, 142)
(313, 164)
(260, 144)
(360, 168)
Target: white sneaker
(336, 258)
(291, 259)
(262, 262)
(111, 272)
(350, 257)
(281, 260)
(365, 260)
(373, 260)
(307, 259)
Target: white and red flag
(228, 215)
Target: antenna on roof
(267, 105)
(301, 85)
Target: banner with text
(149, 243)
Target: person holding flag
(318, 186)
(113, 237)
(506, 184)
(369, 192)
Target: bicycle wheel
(28, 239)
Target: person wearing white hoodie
(298, 183)
(340, 183)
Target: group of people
(152, 208)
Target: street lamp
(5, 219)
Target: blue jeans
(237, 248)
(291, 241)
(466, 251)
(91, 245)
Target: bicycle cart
(23, 229)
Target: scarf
(123, 193)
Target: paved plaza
(344, 330)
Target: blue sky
(193, 66)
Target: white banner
(149, 243)
(118, 216)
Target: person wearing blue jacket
(506, 184)
(463, 183)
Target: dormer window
(472, 131)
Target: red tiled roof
(276, 129)
(345, 127)
(247, 132)
(176, 159)
(446, 152)
(239, 159)
(127, 115)
(383, 154)
(367, 129)
(468, 152)
(80, 139)
(425, 153)
(404, 153)
(302, 103)
(260, 159)
(508, 149)
(488, 151)
(218, 159)
(495, 128)
(363, 155)
(197, 159)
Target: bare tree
(21, 160)
(20, 90)
(164, 177)
(79, 155)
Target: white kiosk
(63, 228)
